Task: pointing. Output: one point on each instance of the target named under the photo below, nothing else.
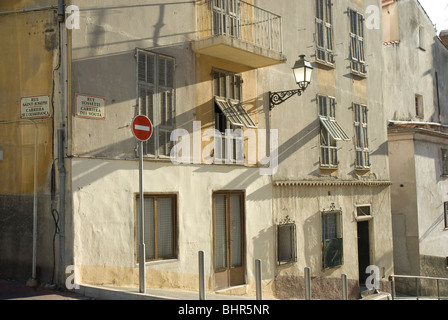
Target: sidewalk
(123, 293)
(11, 290)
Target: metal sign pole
(141, 254)
(142, 129)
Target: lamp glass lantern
(302, 72)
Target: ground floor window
(160, 216)
(445, 214)
(286, 242)
(332, 244)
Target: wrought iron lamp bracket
(276, 98)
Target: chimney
(444, 37)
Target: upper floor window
(324, 31)
(357, 53)
(419, 106)
(156, 99)
(445, 215)
(229, 116)
(361, 137)
(444, 162)
(330, 131)
(421, 37)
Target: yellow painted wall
(29, 44)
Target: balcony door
(228, 239)
(226, 18)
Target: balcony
(239, 32)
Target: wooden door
(229, 244)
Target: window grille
(286, 242)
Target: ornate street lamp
(302, 73)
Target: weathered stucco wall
(29, 60)
(426, 60)
(105, 226)
(304, 205)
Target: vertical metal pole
(141, 254)
(307, 283)
(344, 287)
(33, 273)
(62, 175)
(416, 287)
(392, 287)
(201, 276)
(438, 290)
(258, 279)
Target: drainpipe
(61, 147)
(62, 174)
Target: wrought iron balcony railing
(240, 20)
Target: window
(229, 116)
(363, 211)
(330, 131)
(286, 242)
(421, 37)
(159, 226)
(361, 137)
(226, 18)
(332, 244)
(445, 214)
(444, 162)
(324, 31)
(156, 99)
(357, 54)
(419, 106)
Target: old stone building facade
(301, 184)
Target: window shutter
(165, 223)
(149, 236)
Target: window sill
(161, 261)
(358, 75)
(325, 64)
(328, 169)
(362, 171)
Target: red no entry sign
(142, 128)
